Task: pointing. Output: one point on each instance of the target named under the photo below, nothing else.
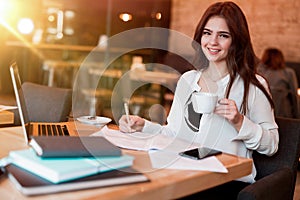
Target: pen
(126, 112)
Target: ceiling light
(125, 17)
(25, 26)
(158, 16)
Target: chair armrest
(278, 185)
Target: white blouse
(259, 130)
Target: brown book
(30, 184)
(66, 146)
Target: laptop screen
(17, 86)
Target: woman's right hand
(135, 123)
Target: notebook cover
(30, 184)
(63, 169)
(65, 146)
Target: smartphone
(199, 153)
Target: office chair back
(46, 104)
(277, 173)
(288, 151)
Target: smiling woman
(243, 119)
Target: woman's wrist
(239, 123)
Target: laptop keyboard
(52, 130)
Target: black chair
(276, 175)
(46, 104)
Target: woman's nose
(213, 39)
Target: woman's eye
(224, 35)
(206, 33)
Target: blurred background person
(283, 83)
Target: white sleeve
(259, 130)
(169, 129)
(175, 117)
(258, 137)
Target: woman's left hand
(227, 108)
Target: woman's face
(216, 39)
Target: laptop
(36, 128)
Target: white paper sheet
(171, 160)
(143, 141)
(163, 150)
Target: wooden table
(47, 46)
(158, 77)
(6, 117)
(165, 183)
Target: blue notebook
(58, 170)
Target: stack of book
(56, 164)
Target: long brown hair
(241, 58)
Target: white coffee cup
(204, 102)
